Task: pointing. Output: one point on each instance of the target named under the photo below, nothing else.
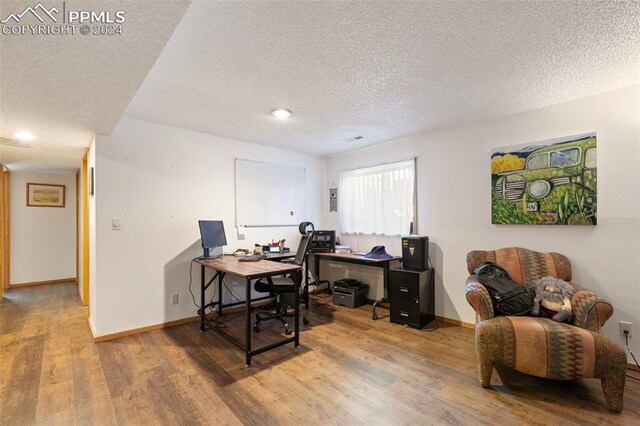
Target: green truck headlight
(539, 189)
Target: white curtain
(377, 200)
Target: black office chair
(280, 286)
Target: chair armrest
(590, 311)
(479, 299)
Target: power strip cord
(191, 280)
(626, 343)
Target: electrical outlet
(174, 299)
(625, 328)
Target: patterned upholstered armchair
(541, 346)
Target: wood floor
(349, 370)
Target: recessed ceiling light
(24, 136)
(281, 114)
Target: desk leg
(385, 285)
(306, 282)
(202, 313)
(385, 280)
(316, 265)
(296, 310)
(220, 278)
(247, 325)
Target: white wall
(43, 239)
(454, 199)
(158, 181)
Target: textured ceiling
(376, 69)
(64, 88)
(381, 69)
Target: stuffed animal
(553, 299)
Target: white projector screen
(269, 194)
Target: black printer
(350, 293)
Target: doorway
(44, 208)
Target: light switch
(115, 224)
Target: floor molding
(168, 324)
(31, 284)
(93, 330)
(633, 367)
(131, 332)
(456, 322)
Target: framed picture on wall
(550, 182)
(45, 195)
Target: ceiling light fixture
(281, 114)
(24, 136)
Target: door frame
(85, 230)
(5, 230)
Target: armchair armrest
(479, 299)
(590, 311)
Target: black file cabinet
(412, 297)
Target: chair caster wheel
(256, 328)
(287, 331)
(305, 321)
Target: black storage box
(415, 252)
(350, 293)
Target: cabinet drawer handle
(404, 314)
(404, 290)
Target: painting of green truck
(552, 182)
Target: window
(537, 162)
(565, 158)
(378, 199)
(590, 158)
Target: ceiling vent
(13, 142)
(353, 139)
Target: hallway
(48, 357)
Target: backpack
(508, 297)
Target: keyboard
(251, 258)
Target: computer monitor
(212, 235)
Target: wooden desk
(279, 256)
(247, 270)
(361, 260)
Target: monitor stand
(207, 255)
